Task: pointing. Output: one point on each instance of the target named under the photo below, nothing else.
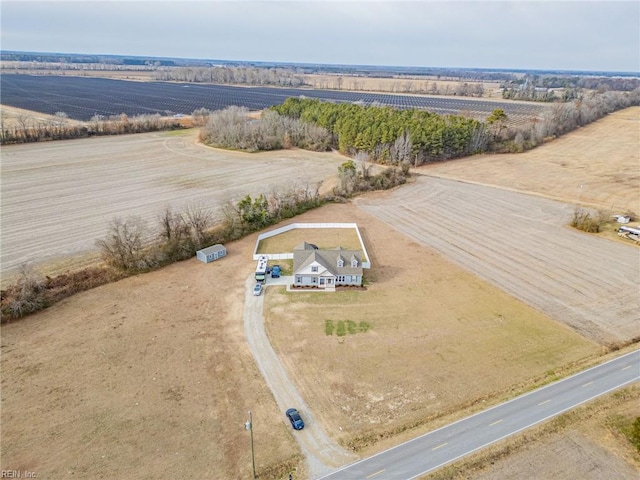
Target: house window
(298, 279)
(314, 269)
(341, 278)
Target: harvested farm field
(162, 356)
(521, 244)
(470, 210)
(59, 197)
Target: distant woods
(282, 77)
(398, 137)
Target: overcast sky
(569, 35)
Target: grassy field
(324, 238)
(436, 338)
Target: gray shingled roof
(213, 249)
(327, 258)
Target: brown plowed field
(520, 243)
(59, 197)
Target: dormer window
(354, 263)
(340, 263)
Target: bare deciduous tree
(123, 245)
(172, 226)
(402, 149)
(200, 116)
(198, 219)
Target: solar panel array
(81, 98)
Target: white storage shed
(211, 253)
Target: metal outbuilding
(211, 253)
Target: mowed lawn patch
(324, 238)
(437, 338)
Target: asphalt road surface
(440, 447)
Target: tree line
(397, 137)
(25, 129)
(232, 128)
(284, 77)
(559, 119)
(539, 88)
(388, 135)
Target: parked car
(275, 271)
(294, 417)
(257, 290)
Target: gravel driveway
(322, 453)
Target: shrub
(634, 433)
(32, 293)
(352, 327)
(588, 222)
(26, 296)
(122, 248)
(341, 330)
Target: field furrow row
(588, 283)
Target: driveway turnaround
(322, 453)
(440, 447)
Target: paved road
(321, 452)
(440, 447)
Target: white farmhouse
(313, 267)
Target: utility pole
(248, 425)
